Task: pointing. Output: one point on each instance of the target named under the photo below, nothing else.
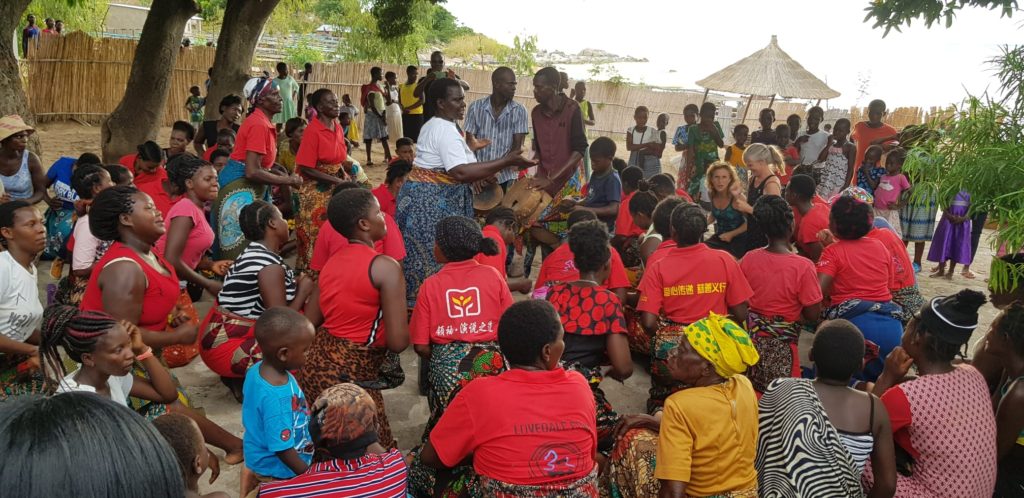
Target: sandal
(968, 274)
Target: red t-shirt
(460, 303)
(388, 203)
(559, 267)
(690, 281)
(900, 418)
(522, 427)
(153, 184)
(321, 145)
(790, 152)
(903, 269)
(684, 195)
(257, 134)
(860, 269)
(660, 252)
(863, 135)
(811, 223)
(783, 284)
(329, 242)
(348, 300)
(797, 217)
(624, 220)
(498, 260)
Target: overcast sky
(919, 66)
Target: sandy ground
(406, 409)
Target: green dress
(289, 106)
(705, 152)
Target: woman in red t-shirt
(786, 295)
(856, 273)
(657, 242)
(595, 329)
(358, 306)
(530, 430)
(131, 282)
(149, 175)
(681, 288)
(456, 315)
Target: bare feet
(949, 276)
(938, 271)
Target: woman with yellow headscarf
(707, 433)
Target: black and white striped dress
(799, 452)
(241, 292)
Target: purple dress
(953, 241)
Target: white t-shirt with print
(21, 312)
(120, 387)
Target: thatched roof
(769, 72)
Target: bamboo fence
(78, 77)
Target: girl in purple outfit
(952, 239)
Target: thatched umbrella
(768, 72)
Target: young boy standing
(277, 444)
(734, 152)
(679, 140)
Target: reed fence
(83, 78)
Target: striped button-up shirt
(481, 122)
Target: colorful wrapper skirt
(776, 342)
(15, 383)
(333, 360)
(556, 221)
(607, 418)
(228, 346)
(426, 198)
(910, 300)
(454, 364)
(662, 384)
(639, 339)
(632, 465)
(59, 223)
(917, 219)
(584, 487)
(235, 193)
(179, 355)
(312, 213)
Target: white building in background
(128, 20)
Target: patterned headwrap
(723, 343)
(857, 194)
(257, 88)
(343, 421)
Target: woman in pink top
(942, 421)
(189, 235)
(786, 293)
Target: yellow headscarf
(724, 343)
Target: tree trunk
(137, 118)
(12, 95)
(240, 31)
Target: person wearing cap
(856, 274)
(942, 421)
(347, 457)
(251, 169)
(21, 172)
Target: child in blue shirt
(604, 192)
(274, 411)
(870, 172)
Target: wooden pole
(770, 102)
(817, 103)
(705, 99)
(746, 110)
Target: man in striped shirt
(348, 461)
(499, 119)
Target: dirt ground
(406, 409)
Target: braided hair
(643, 203)
(851, 218)
(588, 241)
(106, 210)
(941, 347)
(85, 178)
(181, 169)
(460, 238)
(689, 222)
(150, 151)
(663, 185)
(773, 214)
(74, 330)
(254, 218)
(662, 218)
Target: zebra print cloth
(799, 452)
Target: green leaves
(893, 14)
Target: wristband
(145, 355)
